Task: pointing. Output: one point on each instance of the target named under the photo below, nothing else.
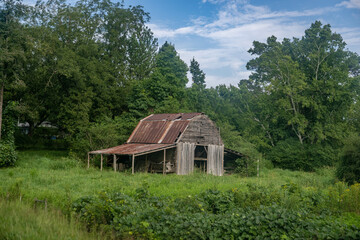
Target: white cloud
(213, 1)
(351, 36)
(350, 4)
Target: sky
(218, 33)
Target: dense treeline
(94, 68)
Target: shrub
(7, 147)
(8, 154)
(104, 133)
(349, 166)
(291, 154)
(257, 213)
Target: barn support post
(114, 163)
(164, 170)
(147, 163)
(88, 160)
(101, 162)
(133, 164)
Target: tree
(198, 76)
(308, 81)
(170, 65)
(68, 62)
(196, 94)
(12, 43)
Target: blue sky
(218, 33)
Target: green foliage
(278, 203)
(104, 133)
(8, 154)
(349, 166)
(198, 76)
(286, 74)
(212, 214)
(293, 155)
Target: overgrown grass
(59, 179)
(68, 185)
(20, 221)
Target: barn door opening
(200, 159)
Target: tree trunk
(1, 105)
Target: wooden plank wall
(215, 160)
(185, 158)
(201, 130)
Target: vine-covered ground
(278, 204)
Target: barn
(168, 143)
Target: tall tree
(196, 94)
(12, 44)
(90, 53)
(308, 81)
(198, 76)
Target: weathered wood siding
(215, 160)
(202, 131)
(185, 158)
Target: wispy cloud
(350, 4)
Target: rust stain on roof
(133, 148)
(161, 128)
(149, 132)
(176, 129)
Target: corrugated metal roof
(133, 148)
(149, 131)
(176, 129)
(161, 128)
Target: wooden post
(258, 167)
(114, 162)
(88, 160)
(164, 170)
(146, 163)
(133, 164)
(101, 163)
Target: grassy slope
(49, 174)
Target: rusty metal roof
(161, 128)
(149, 131)
(133, 148)
(176, 129)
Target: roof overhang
(133, 149)
(233, 152)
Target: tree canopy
(94, 67)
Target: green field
(73, 189)
(54, 176)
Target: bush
(257, 213)
(104, 133)
(291, 154)
(8, 154)
(7, 147)
(349, 167)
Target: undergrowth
(279, 204)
